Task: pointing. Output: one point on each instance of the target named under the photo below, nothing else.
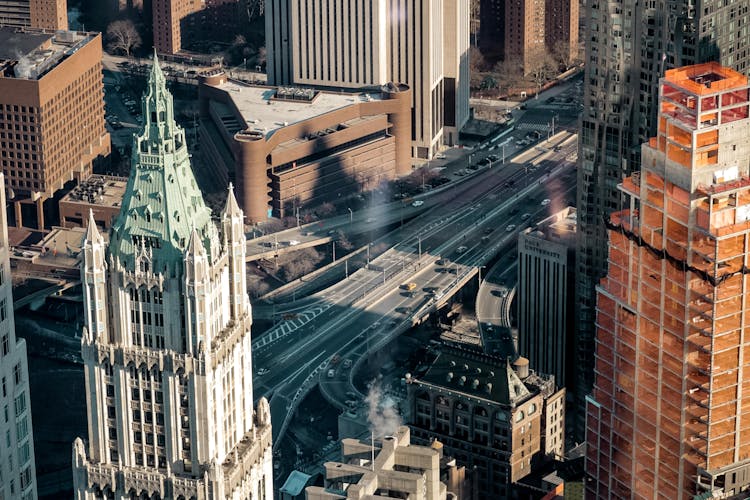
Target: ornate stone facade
(166, 346)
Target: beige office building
(367, 43)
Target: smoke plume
(382, 413)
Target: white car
(293, 242)
(440, 156)
(417, 203)
(546, 202)
(510, 227)
(262, 372)
(370, 220)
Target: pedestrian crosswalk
(286, 327)
(532, 126)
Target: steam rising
(382, 414)
(23, 67)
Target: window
(6, 344)
(22, 428)
(3, 309)
(17, 375)
(24, 453)
(20, 404)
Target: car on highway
(409, 286)
(440, 156)
(510, 227)
(442, 262)
(347, 364)
(462, 249)
(525, 216)
(331, 373)
(417, 203)
(370, 220)
(293, 242)
(489, 230)
(262, 372)
(546, 202)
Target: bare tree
(508, 73)
(539, 66)
(123, 36)
(303, 263)
(261, 57)
(344, 243)
(254, 8)
(563, 54)
(258, 287)
(325, 210)
(477, 62)
(474, 23)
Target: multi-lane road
(462, 228)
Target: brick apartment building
(523, 29)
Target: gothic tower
(166, 345)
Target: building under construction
(669, 416)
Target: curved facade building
(289, 148)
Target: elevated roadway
(369, 308)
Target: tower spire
(232, 208)
(92, 232)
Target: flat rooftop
(28, 53)
(264, 112)
(104, 190)
(559, 227)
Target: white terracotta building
(166, 345)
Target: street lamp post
(351, 215)
(333, 244)
(503, 154)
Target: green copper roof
(162, 203)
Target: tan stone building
(48, 14)
(390, 467)
(493, 417)
(356, 45)
(52, 112)
(288, 148)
